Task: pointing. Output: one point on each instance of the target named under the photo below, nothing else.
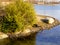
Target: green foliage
(19, 15)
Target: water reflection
(21, 41)
(49, 37)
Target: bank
(42, 24)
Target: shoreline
(32, 30)
(48, 4)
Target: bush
(19, 15)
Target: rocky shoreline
(39, 26)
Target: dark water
(47, 37)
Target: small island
(18, 19)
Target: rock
(26, 32)
(45, 21)
(3, 35)
(39, 26)
(48, 20)
(51, 20)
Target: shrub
(19, 15)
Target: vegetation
(19, 15)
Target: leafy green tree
(19, 15)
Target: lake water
(47, 37)
(49, 10)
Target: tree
(19, 15)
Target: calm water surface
(49, 10)
(47, 37)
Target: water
(47, 37)
(49, 10)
